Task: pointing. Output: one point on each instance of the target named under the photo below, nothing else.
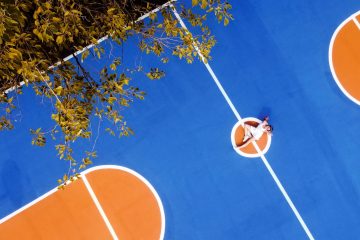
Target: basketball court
(181, 175)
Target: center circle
(237, 135)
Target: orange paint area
(128, 203)
(346, 58)
(249, 149)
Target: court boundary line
(99, 207)
(262, 156)
(353, 18)
(28, 205)
(114, 167)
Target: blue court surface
(271, 60)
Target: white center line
(237, 115)
(283, 191)
(100, 209)
(269, 168)
(356, 21)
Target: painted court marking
(98, 206)
(357, 23)
(107, 202)
(283, 191)
(276, 179)
(344, 57)
(237, 134)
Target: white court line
(283, 191)
(98, 205)
(277, 181)
(146, 182)
(4, 219)
(237, 115)
(356, 21)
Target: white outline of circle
(252, 155)
(332, 69)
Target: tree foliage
(36, 36)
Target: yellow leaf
(59, 39)
(113, 66)
(76, 11)
(58, 90)
(84, 55)
(111, 100)
(152, 16)
(204, 4)
(56, 19)
(111, 10)
(48, 5)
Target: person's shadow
(265, 111)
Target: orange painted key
(127, 201)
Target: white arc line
(146, 182)
(269, 168)
(101, 211)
